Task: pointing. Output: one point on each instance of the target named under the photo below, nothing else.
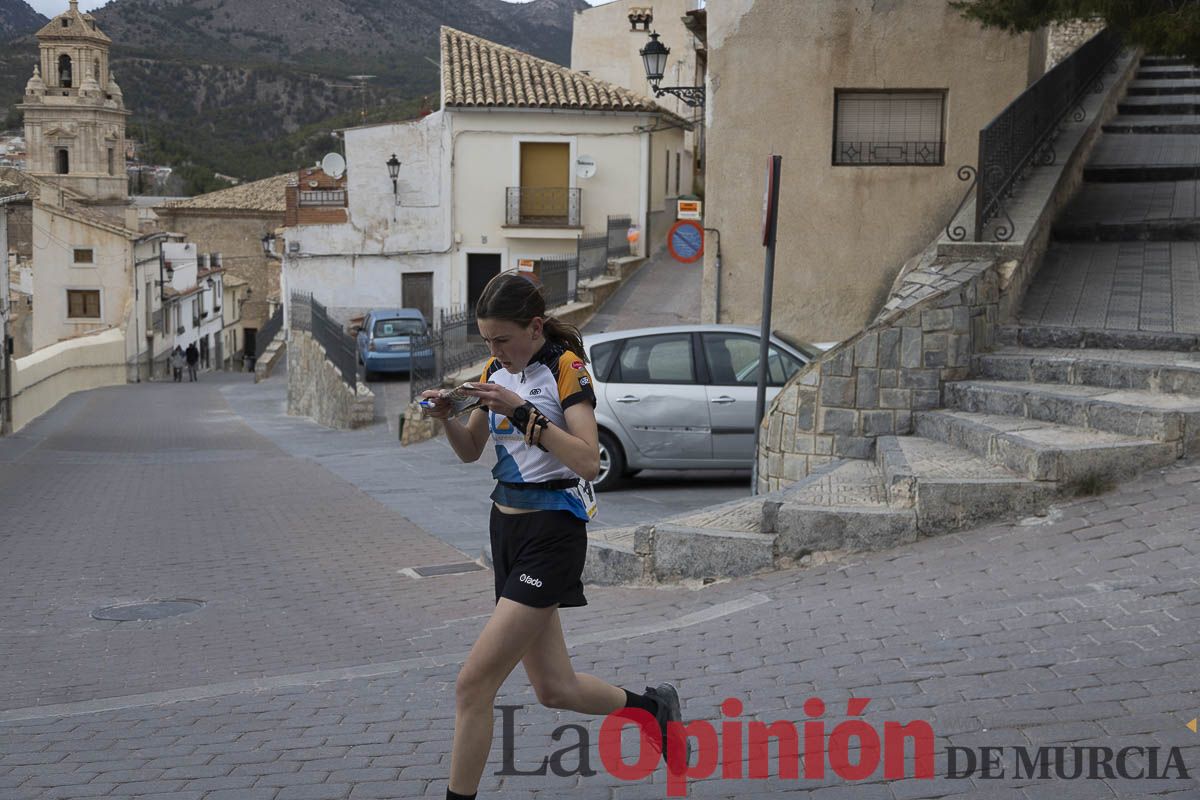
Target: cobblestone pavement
(317, 670)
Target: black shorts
(538, 557)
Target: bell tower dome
(74, 113)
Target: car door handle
(628, 399)
(723, 400)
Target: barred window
(889, 127)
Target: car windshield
(399, 327)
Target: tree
(1162, 27)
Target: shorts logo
(534, 582)
(533, 392)
(577, 365)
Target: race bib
(587, 496)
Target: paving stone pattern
(1076, 628)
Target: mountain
(252, 88)
(18, 18)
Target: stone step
(1167, 73)
(1160, 230)
(1103, 208)
(1159, 86)
(1170, 104)
(1154, 371)
(1141, 173)
(1154, 124)
(951, 488)
(1141, 414)
(680, 551)
(1164, 61)
(841, 507)
(1045, 451)
(1042, 336)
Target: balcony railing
(543, 206)
(323, 198)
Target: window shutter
(889, 128)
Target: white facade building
(498, 175)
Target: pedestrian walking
(538, 405)
(193, 358)
(177, 360)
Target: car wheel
(368, 376)
(612, 463)
(631, 473)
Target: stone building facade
(75, 111)
(233, 222)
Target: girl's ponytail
(565, 334)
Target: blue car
(385, 342)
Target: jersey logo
(576, 365)
(533, 392)
(583, 381)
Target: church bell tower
(75, 112)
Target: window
(733, 361)
(112, 161)
(399, 327)
(83, 303)
(667, 178)
(657, 359)
(889, 127)
(64, 70)
(85, 255)
(602, 358)
(62, 161)
(678, 157)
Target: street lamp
(654, 59)
(393, 165)
(268, 244)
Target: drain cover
(446, 569)
(156, 609)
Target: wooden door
(545, 178)
(416, 291)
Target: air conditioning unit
(293, 247)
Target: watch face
(521, 414)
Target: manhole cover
(446, 569)
(156, 609)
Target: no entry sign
(686, 241)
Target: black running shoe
(667, 699)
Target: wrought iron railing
(890, 153)
(592, 255)
(560, 279)
(618, 236)
(548, 206)
(451, 346)
(268, 332)
(307, 314)
(1023, 134)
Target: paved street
(315, 669)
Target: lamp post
(654, 59)
(393, 165)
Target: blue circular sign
(686, 241)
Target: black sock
(456, 796)
(641, 701)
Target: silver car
(682, 396)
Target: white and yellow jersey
(554, 380)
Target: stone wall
(1065, 38)
(316, 388)
(871, 384)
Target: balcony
(543, 207)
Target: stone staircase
(1096, 381)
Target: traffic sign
(686, 241)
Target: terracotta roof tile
(265, 195)
(477, 73)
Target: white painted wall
(55, 238)
(455, 169)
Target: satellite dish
(585, 166)
(334, 165)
